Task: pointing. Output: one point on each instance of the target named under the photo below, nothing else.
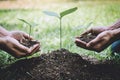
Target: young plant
(60, 16)
(30, 25)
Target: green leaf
(51, 13)
(66, 12)
(25, 22)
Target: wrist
(111, 27)
(115, 26)
(3, 32)
(106, 29)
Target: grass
(99, 13)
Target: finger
(37, 50)
(102, 45)
(94, 42)
(22, 48)
(22, 40)
(87, 32)
(30, 52)
(34, 48)
(16, 53)
(80, 43)
(26, 36)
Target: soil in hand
(60, 65)
(29, 43)
(87, 38)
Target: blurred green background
(90, 13)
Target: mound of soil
(60, 65)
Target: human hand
(95, 30)
(102, 41)
(19, 35)
(13, 47)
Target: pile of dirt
(60, 65)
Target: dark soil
(61, 65)
(87, 38)
(29, 43)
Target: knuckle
(25, 49)
(91, 44)
(108, 33)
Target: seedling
(29, 42)
(60, 16)
(30, 25)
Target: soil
(61, 65)
(29, 43)
(87, 38)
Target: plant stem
(29, 32)
(60, 33)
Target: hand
(19, 35)
(92, 31)
(102, 41)
(13, 47)
(95, 31)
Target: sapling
(30, 25)
(60, 16)
(29, 42)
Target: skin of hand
(104, 39)
(95, 30)
(3, 32)
(10, 42)
(13, 47)
(19, 35)
(105, 36)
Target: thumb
(87, 32)
(27, 36)
(93, 42)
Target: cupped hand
(19, 35)
(95, 30)
(13, 47)
(102, 41)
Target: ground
(61, 65)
